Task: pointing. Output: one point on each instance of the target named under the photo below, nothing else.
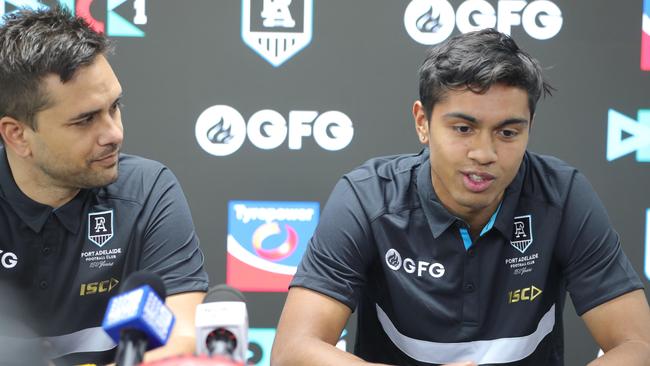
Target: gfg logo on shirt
(114, 22)
(8, 259)
(637, 131)
(395, 262)
(432, 21)
(221, 130)
(277, 29)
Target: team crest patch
(100, 227)
(522, 233)
(277, 29)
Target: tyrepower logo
(116, 18)
(266, 241)
(645, 37)
(432, 21)
(395, 262)
(221, 130)
(626, 135)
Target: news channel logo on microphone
(139, 309)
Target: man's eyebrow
(514, 121)
(474, 121)
(85, 115)
(460, 115)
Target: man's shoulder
(547, 177)
(137, 177)
(130, 163)
(385, 184)
(386, 168)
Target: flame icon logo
(282, 251)
(217, 134)
(393, 259)
(427, 22)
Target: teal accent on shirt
(467, 239)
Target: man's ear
(13, 136)
(421, 122)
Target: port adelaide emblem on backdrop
(277, 29)
(521, 240)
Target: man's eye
(85, 121)
(116, 106)
(462, 129)
(509, 133)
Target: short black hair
(35, 43)
(476, 61)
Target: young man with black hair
(465, 251)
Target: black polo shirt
(65, 264)
(426, 294)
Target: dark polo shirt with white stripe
(426, 294)
(65, 264)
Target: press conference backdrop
(259, 106)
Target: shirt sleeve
(595, 267)
(341, 249)
(171, 246)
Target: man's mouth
(477, 181)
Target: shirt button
(469, 287)
(43, 285)
(46, 251)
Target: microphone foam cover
(223, 293)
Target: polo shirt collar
(35, 214)
(440, 219)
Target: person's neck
(37, 186)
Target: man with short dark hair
(76, 215)
(464, 252)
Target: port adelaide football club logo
(100, 227)
(277, 29)
(522, 234)
(522, 238)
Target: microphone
(222, 324)
(137, 318)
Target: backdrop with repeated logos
(259, 106)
